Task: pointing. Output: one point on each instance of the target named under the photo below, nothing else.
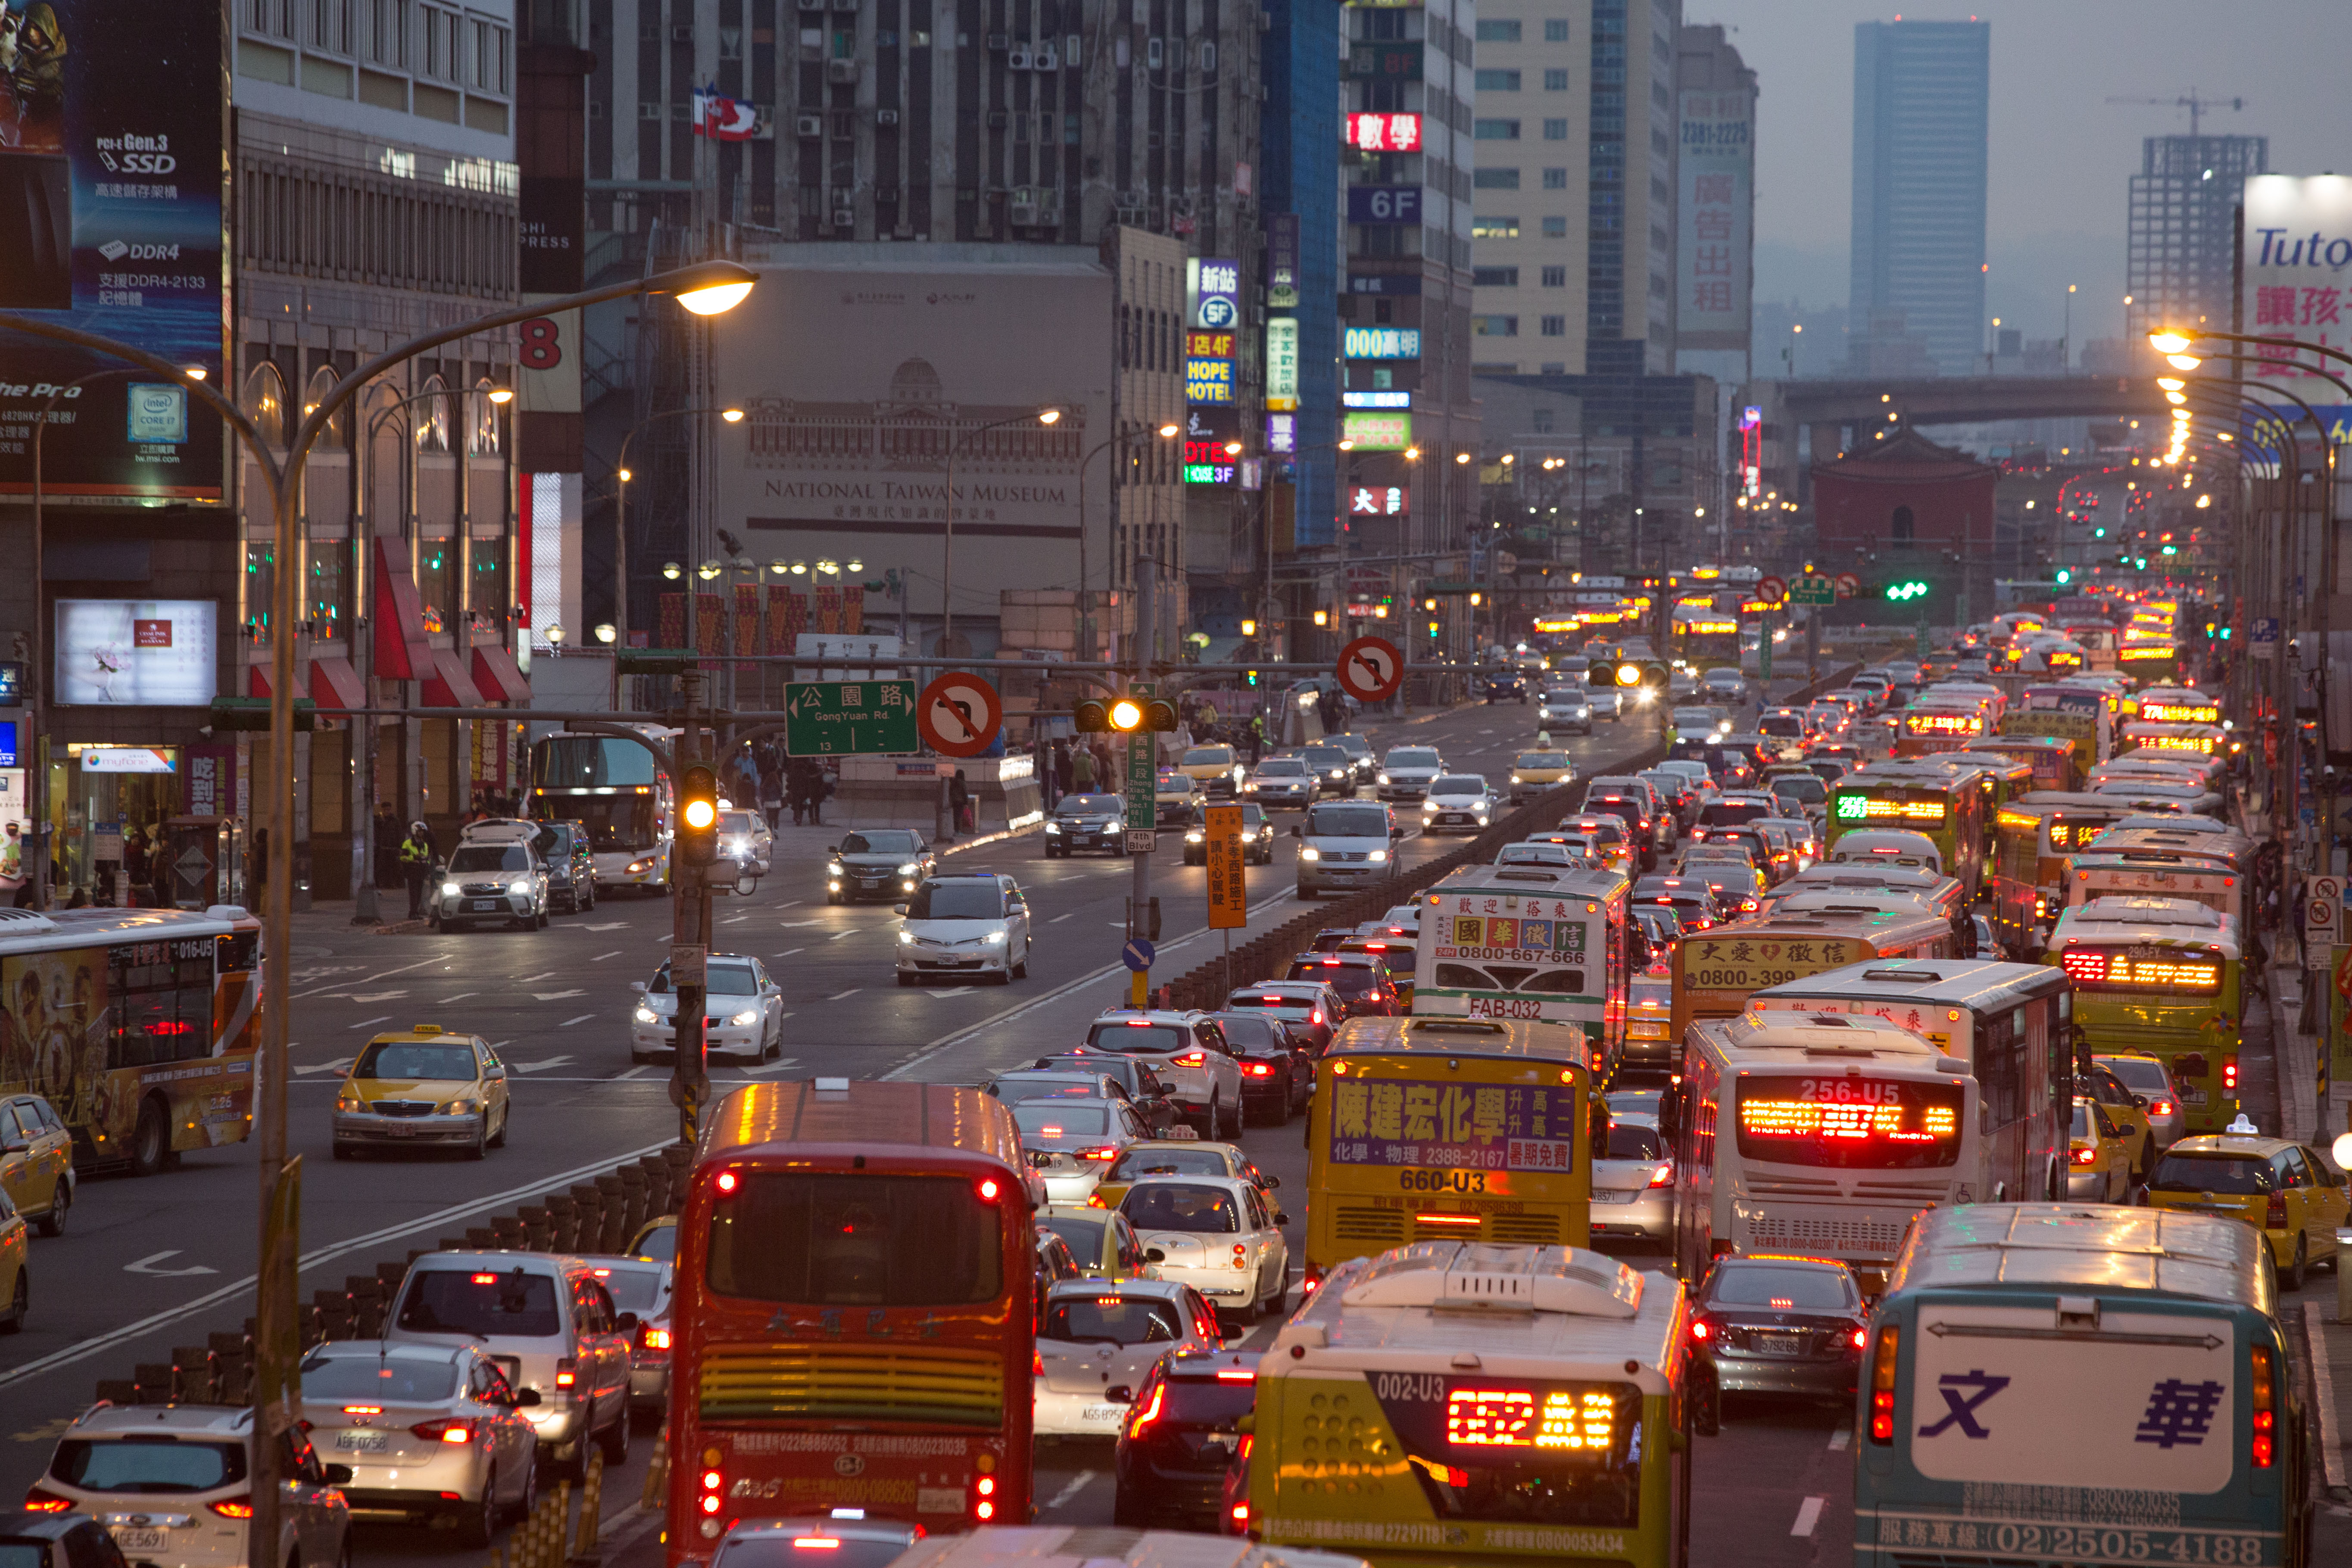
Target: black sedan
(1277, 1070)
(885, 863)
(1174, 1447)
(1504, 686)
(1089, 822)
(1776, 1325)
(1257, 838)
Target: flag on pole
(722, 117)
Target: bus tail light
(2230, 1074)
(1882, 1384)
(987, 1188)
(2265, 1401)
(650, 1338)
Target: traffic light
(1250, 679)
(1124, 715)
(1908, 589)
(2065, 576)
(698, 817)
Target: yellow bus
(1449, 1129)
(2167, 977)
(2032, 837)
(1715, 971)
(1705, 639)
(1949, 808)
(2052, 759)
(1924, 729)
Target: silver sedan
(429, 1432)
(1633, 1188)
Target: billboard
(2297, 263)
(148, 653)
(1377, 431)
(1715, 254)
(848, 432)
(1384, 204)
(1385, 131)
(1381, 342)
(111, 131)
(1282, 362)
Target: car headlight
(520, 885)
(1376, 855)
(906, 939)
(1053, 828)
(746, 1018)
(461, 1108)
(648, 1016)
(1428, 805)
(1310, 853)
(1383, 778)
(908, 870)
(1515, 778)
(349, 1100)
(1195, 836)
(995, 939)
(449, 889)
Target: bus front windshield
(616, 824)
(591, 762)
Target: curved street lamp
(1049, 414)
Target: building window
(1898, 527)
(1495, 277)
(1555, 130)
(1496, 180)
(1555, 276)
(1497, 32)
(1554, 326)
(1494, 228)
(1555, 179)
(385, 27)
(1555, 228)
(1494, 326)
(1556, 82)
(1556, 31)
(1498, 82)
(490, 71)
(1496, 129)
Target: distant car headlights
(1382, 779)
(461, 1108)
(906, 939)
(648, 1016)
(1053, 828)
(1194, 835)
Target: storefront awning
(336, 684)
(257, 683)
(402, 649)
(498, 677)
(447, 684)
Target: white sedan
(743, 1007)
(1071, 1141)
(1098, 1344)
(1462, 802)
(1218, 1235)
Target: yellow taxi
(37, 1160)
(1176, 800)
(1616, 853)
(1217, 769)
(1175, 1157)
(1532, 772)
(423, 1087)
(15, 1268)
(2125, 1109)
(2099, 1157)
(656, 1240)
(2286, 1191)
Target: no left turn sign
(1370, 670)
(1772, 590)
(958, 714)
(2323, 913)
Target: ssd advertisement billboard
(111, 131)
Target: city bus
(855, 1312)
(1458, 1129)
(2082, 716)
(2216, 869)
(2178, 705)
(1821, 1134)
(2051, 761)
(2188, 739)
(1948, 809)
(2032, 837)
(1705, 639)
(1531, 943)
(2155, 657)
(137, 1026)
(1715, 971)
(2008, 1023)
(2163, 975)
(1565, 1436)
(2076, 1384)
(1924, 729)
(620, 790)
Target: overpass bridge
(1831, 408)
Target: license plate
(1624, 1195)
(1102, 1412)
(1779, 1344)
(2191, 1095)
(142, 1540)
(363, 1442)
(482, 904)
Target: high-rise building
(1921, 94)
(1573, 187)
(2177, 262)
(1302, 129)
(1715, 208)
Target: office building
(1715, 208)
(2179, 247)
(1574, 187)
(1921, 92)
(1303, 132)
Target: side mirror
(1119, 1393)
(638, 987)
(899, 910)
(1154, 1255)
(525, 1398)
(625, 1322)
(337, 1475)
(1272, 1183)
(496, 1074)
(2140, 1101)
(1280, 1217)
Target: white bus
(1531, 943)
(1818, 1133)
(620, 793)
(2007, 1024)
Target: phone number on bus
(2090, 1545)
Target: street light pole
(620, 511)
(1082, 639)
(1046, 416)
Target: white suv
(1189, 1052)
(492, 879)
(1406, 771)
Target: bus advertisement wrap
(1434, 1122)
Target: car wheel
(906, 980)
(505, 1118)
(1211, 1119)
(1124, 1513)
(616, 1440)
(543, 920)
(1274, 1305)
(151, 1139)
(527, 1497)
(1021, 970)
(2291, 1276)
(774, 1047)
(1241, 1120)
(53, 1222)
(480, 1522)
(480, 1146)
(20, 1303)
(342, 1150)
(1306, 894)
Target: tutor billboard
(112, 126)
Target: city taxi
(37, 1160)
(1176, 1157)
(14, 1268)
(2281, 1188)
(424, 1087)
(1532, 772)
(2099, 1156)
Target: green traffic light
(1900, 592)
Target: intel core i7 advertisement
(111, 130)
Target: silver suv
(173, 1483)
(486, 882)
(1189, 1053)
(549, 1324)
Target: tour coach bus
(1531, 943)
(136, 1025)
(854, 1316)
(619, 791)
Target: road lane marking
(372, 979)
(338, 1065)
(529, 978)
(633, 1072)
(556, 995)
(1078, 1483)
(543, 1063)
(1841, 1438)
(955, 992)
(777, 1066)
(790, 951)
(851, 992)
(582, 1019)
(363, 1022)
(378, 995)
(147, 1265)
(1058, 919)
(608, 925)
(602, 956)
(238, 1291)
(1808, 1516)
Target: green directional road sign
(842, 718)
(1813, 591)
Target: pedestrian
(772, 793)
(1082, 769)
(415, 861)
(820, 786)
(159, 868)
(1256, 738)
(387, 849)
(959, 803)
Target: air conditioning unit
(1043, 58)
(885, 117)
(841, 71)
(1017, 59)
(1000, 41)
(844, 218)
(810, 125)
(1021, 214)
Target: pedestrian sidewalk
(2322, 1336)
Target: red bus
(855, 1312)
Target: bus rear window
(1850, 1122)
(855, 1241)
(1510, 1450)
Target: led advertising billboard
(148, 653)
(111, 131)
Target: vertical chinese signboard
(1228, 880)
(2297, 262)
(1713, 258)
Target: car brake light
(1701, 1329)
(234, 1507)
(2161, 1108)
(39, 1501)
(486, 1278)
(1190, 1059)
(1148, 1414)
(1664, 1177)
(1259, 1070)
(363, 1409)
(2086, 1156)
(816, 1544)
(456, 1429)
(1241, 1513)
(1109, 1151)
(566, 1374)
(651, 1337)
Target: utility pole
(696, 836)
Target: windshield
(1362, 821)
(1413, 757)
(1209, 756)
(1457, 783)
(639, 1290)
(1632, 1141)
(1775, 1286)
(1176, 1206)
(147, 1465)
(489, 858)
(1082, 1234)
(1090, 805)
(589, 761)
(493, 1304)
(718, 980)
(1255, 1030)
(391, 1060)
(735, 824)
(1282, 768)
(1326, 759)
(1062, 1117)
(615, 823)
(1534, 855)
(1138, 1162)
(1731, 812)
(406, 1379)
(1140, 1036)
(1807, 790)
(857, 1240)
(956, 901)
(1111, 1321)
(1347, 979)
(1542, 760)
(2209, 1174)
(1780, 724)
(2138, 1073)
(891, 842)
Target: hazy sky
(2060, 155)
